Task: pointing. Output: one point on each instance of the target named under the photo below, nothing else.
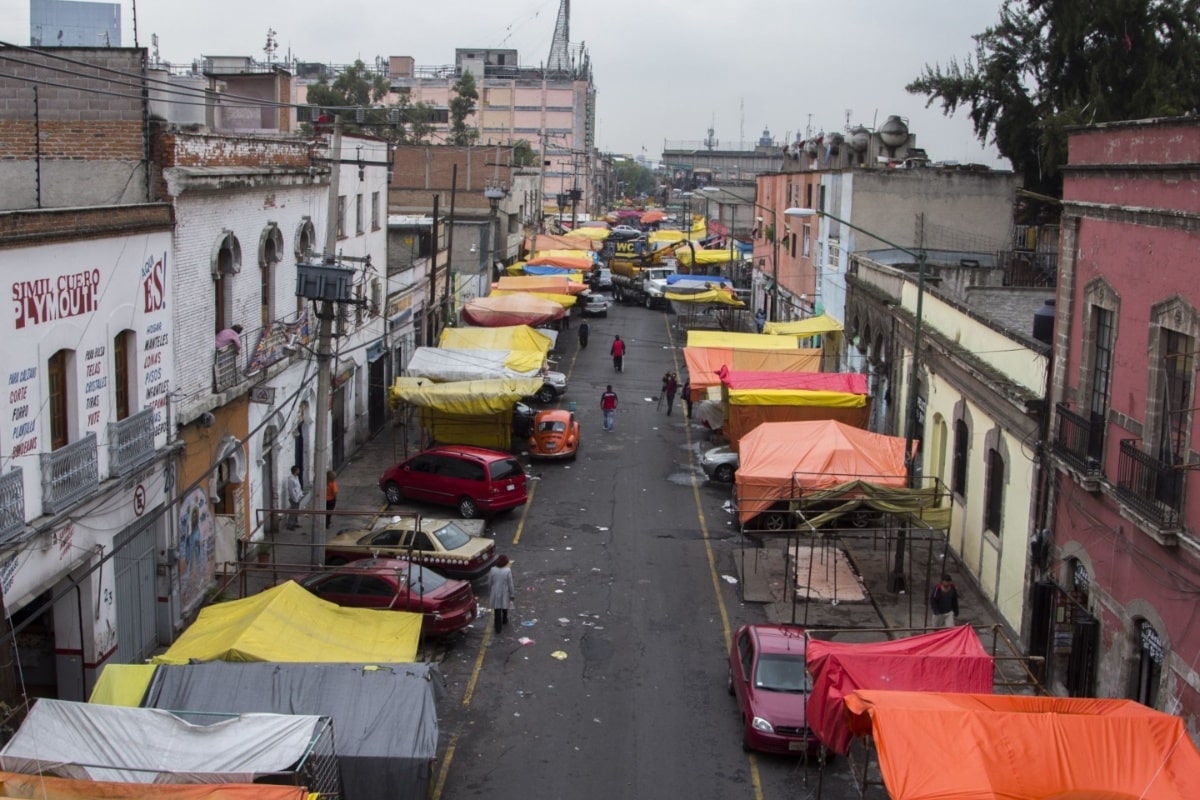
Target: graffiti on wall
(197, 547)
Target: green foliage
(1051, 64)
(634, 179)
(523, 155)
(462, 105)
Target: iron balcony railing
(1151, 487)
(229, 364)
(1079, 441)
(131, 442)
(12, 503)
(69, 474)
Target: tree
(634, 179)
(353, 88)
(462, 105)
(523, 155)
(1051, 64)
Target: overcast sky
(665, 70)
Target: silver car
(720, 463)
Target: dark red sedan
(769, 680)
(390, 583)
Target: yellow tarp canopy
(45, 787)
(813, 326)
(711, 297)
(122, 684)
(684, 255)
(471, 398)
(592, 234)
(666, 235)
(793, 397)
(564, 300)
(288, 623)
(740, 341)
(529, 347)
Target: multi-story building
(1114, 610)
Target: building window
(807, 250)
(962, 447)
(306, 235)
(341, 217)
(228, 263)
(124, 349)
(58, 374)
(1102, 348)
(1177, 396)
(374, 211)
(993, 513)
(1149, 664)
(270, 253)
(358, 214)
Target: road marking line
(755, 780)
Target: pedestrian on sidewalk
(669, 388)
(687, 397)
(330, 495)
(295, 493)
(617, 351)
(583, 335)
(608, 404)
(500, 592)
(943, 603)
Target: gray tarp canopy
(146, 745)
(385, 729)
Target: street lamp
(910, 411)
(774, 316)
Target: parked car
(780, 517)
(720, 464)
(554, 386)
(438, 543)
(555, 435)
(768, 678)
(624, 232)
(600, 278)
(595, 305)
(447, 605)
(476, 480)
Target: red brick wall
(23, 227)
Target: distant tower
(560, 58)
(711, 141)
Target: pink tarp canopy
(952, 660)
(512, 309)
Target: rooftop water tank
(1043, 323)
(858, 139)
(894, 132)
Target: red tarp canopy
(1004, 747)
(511, 309)
(778, 459)
(952, 660)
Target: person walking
(500, 592)
(669, 388)
(295, 494)
(943, 603)
(687, 397)
(608, 404)
(618, 354)
(330, 495)
(583, 335)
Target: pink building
(1115, 609)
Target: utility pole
(448, 303)
(325, 315)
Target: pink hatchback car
(768, 678)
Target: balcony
(69, 474)
(1152, 488)
(1079, 443)
(130, 442)
(12, 503)
(229, 364)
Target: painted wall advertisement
(197, 547)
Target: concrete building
(1115, 607)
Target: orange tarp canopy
(40, 787)
(752, 398)
(581, 263)
(936, 746)
(521, 308)
(704, 363)
(543, 284)
(778, 460)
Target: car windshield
(451, 536)
(552, 426)
(781, 673)
(424, 580)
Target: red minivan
(475, 480)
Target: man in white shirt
(295, 493)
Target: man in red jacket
(618, 354)
(608, 404)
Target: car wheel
(774, 521)
(649, 302)
(729, 682)
(861, 519)
(467, 508)
(393, 494)
(723, 473)
(545, 394)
